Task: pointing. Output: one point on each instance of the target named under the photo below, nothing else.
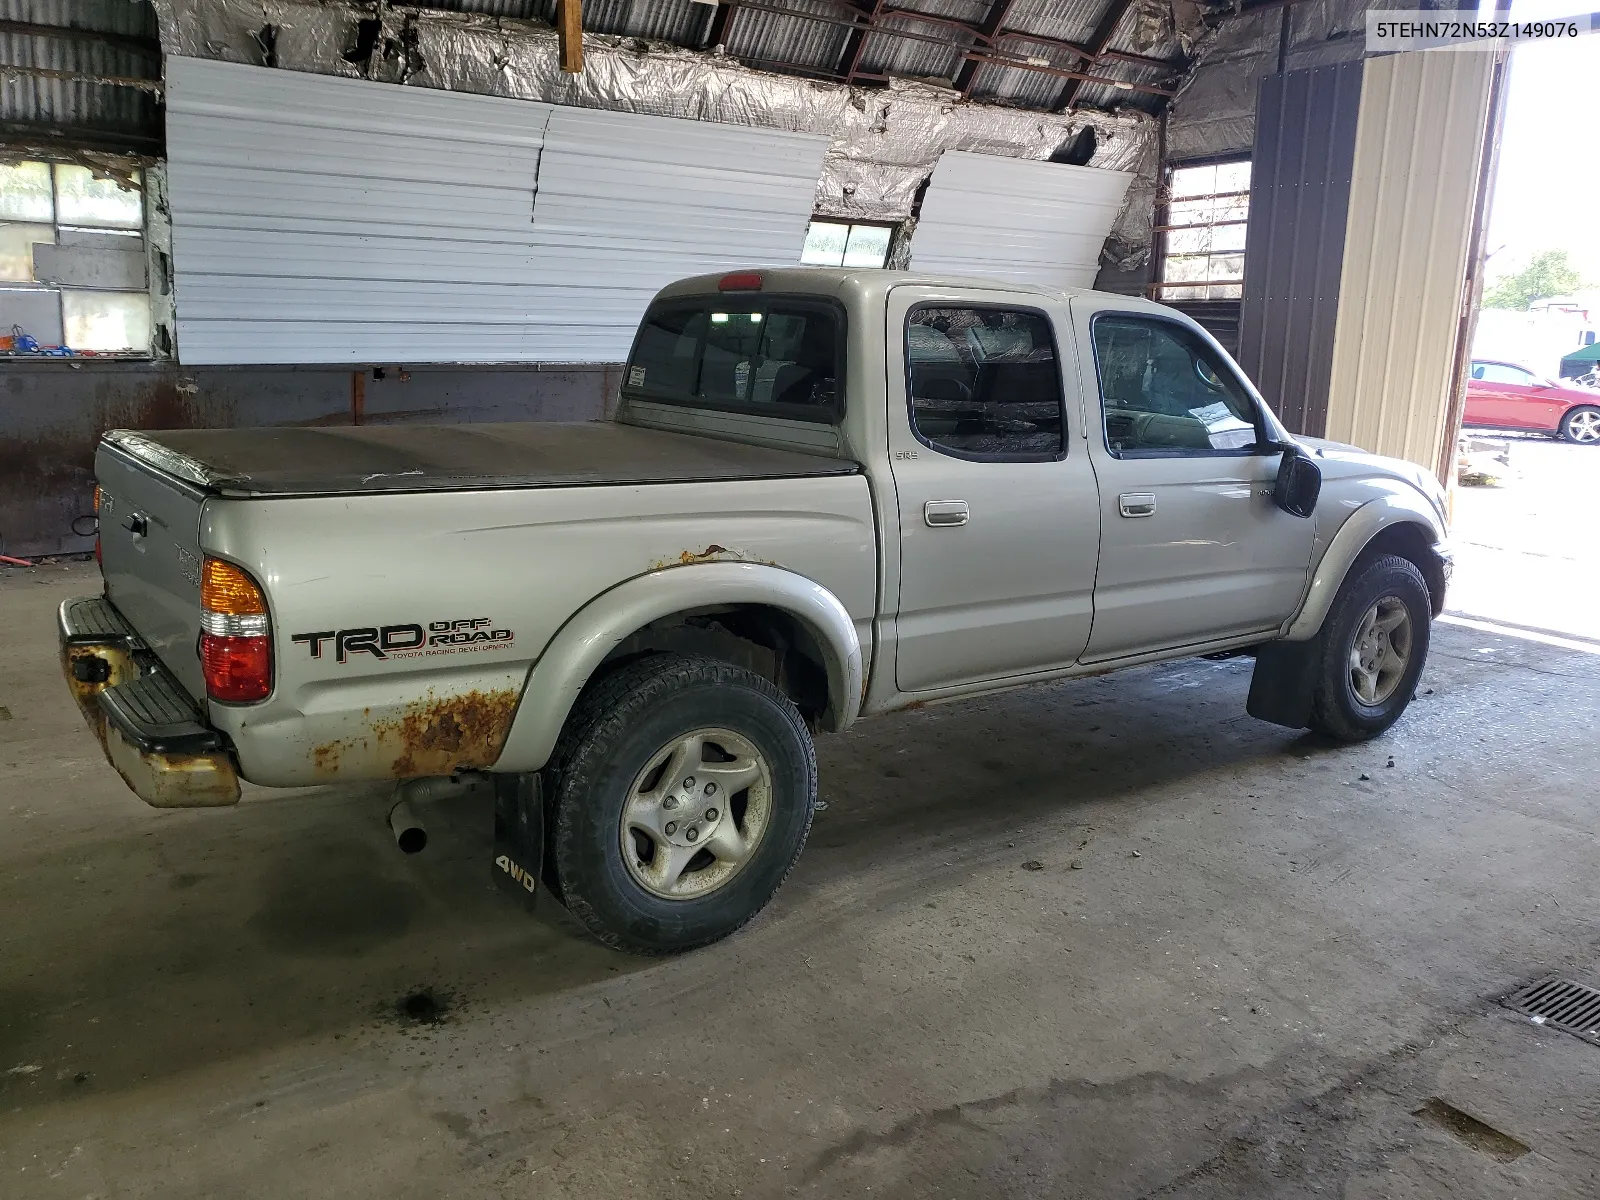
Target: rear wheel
(684, 790)
(1582, 425)
(1375, 643)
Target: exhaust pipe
(409, 833)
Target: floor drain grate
(1561, 1004)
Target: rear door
(1192, 549)
(997, 499)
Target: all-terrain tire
(618, 727)
(1337, 709)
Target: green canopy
(1580, 361)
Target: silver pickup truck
(828, 494)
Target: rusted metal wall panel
(1413, 192)
(1299, 201)
(56, 411)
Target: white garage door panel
(638, 201)
(1013, 218)
(327, 220)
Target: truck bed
(289, 461)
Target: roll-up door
(1016, 219)
(328, 220)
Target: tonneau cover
(291, 461)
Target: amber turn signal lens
(224, 588)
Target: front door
(997, 499)
(1192, 549)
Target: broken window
(72, 261)
(1202, 236)
(845, 244)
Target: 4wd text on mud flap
(406, 641)
(525, 878)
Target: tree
(1549, 274)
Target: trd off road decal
(465, 634)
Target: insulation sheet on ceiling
(327, 220)
(1015, 219)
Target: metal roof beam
(1099, 42)
(121, 41)
(999, 10)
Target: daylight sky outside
(1547, 191)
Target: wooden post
(569, 35)
(358, 397)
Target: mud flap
(519, 834)
(1284, 681)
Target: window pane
(755, 356)
(984, 382)
(16, 248)
(1164, 389)
(1233, 177)
(25, 192)
(825, 244)
(868, 246)
(86, 200)
(106, 321)
(664, 359)
(36, 311)
(1194, 181)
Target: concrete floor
(1526, 550)
(1247, 961)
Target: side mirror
(1299, 483)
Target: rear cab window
(767, 355)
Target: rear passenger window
(984, 382)
(772, 356)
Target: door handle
(1137, 504)
(942, 513)
(138, 526)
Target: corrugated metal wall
(1010, 218)
(326, 220)
(1299, 201)
(79, 45)
(1413, 191)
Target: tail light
(235, 637)
(98, 560)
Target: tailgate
(150, 551)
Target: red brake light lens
(236, 635)
(740, 281)
(238, 669)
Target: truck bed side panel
(405, 624)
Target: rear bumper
(154, 734)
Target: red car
(1503, 396)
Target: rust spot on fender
(435, 736)
(712, 553)
(326, 757)
(453, 733)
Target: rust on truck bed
(436, 736)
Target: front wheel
(1375, 642)
(1582, 425)
(684, 790)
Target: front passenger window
(1165, 391)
